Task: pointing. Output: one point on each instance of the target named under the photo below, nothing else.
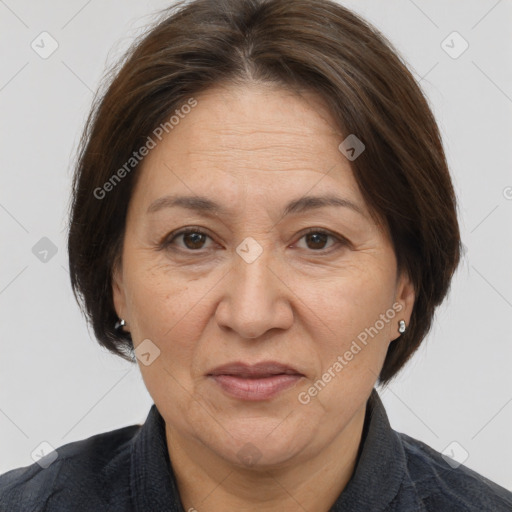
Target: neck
(208, 482)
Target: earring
(119, 324)
(401, 326)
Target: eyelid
(169, 238)
(339, 239)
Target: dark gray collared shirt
(129, 470)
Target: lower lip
(255, 389)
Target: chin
(260, 443)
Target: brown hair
(315, 45)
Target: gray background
(57, 385)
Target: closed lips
(256, 371)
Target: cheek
(351, 342)
(164, 308)
(349, 322)
(165, 312)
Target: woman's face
(318, 310)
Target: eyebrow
(205, 205)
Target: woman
(263, 219)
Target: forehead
(259, 121)
(257, 142)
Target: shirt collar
(152, 481)
(379, 472)
(381, 465)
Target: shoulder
(442, 486)
(100, 463)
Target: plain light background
(58, 385)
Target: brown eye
(317, 240)
(193, 239)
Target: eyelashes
(193, 239)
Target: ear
(405, 295)
(118, 292)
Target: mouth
(260, 381)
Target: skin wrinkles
(295, 305)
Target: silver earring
(119, 324)
(401, 326)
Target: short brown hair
(316, 45)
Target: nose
(256, 297)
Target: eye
(193, 238)
(316, 239)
